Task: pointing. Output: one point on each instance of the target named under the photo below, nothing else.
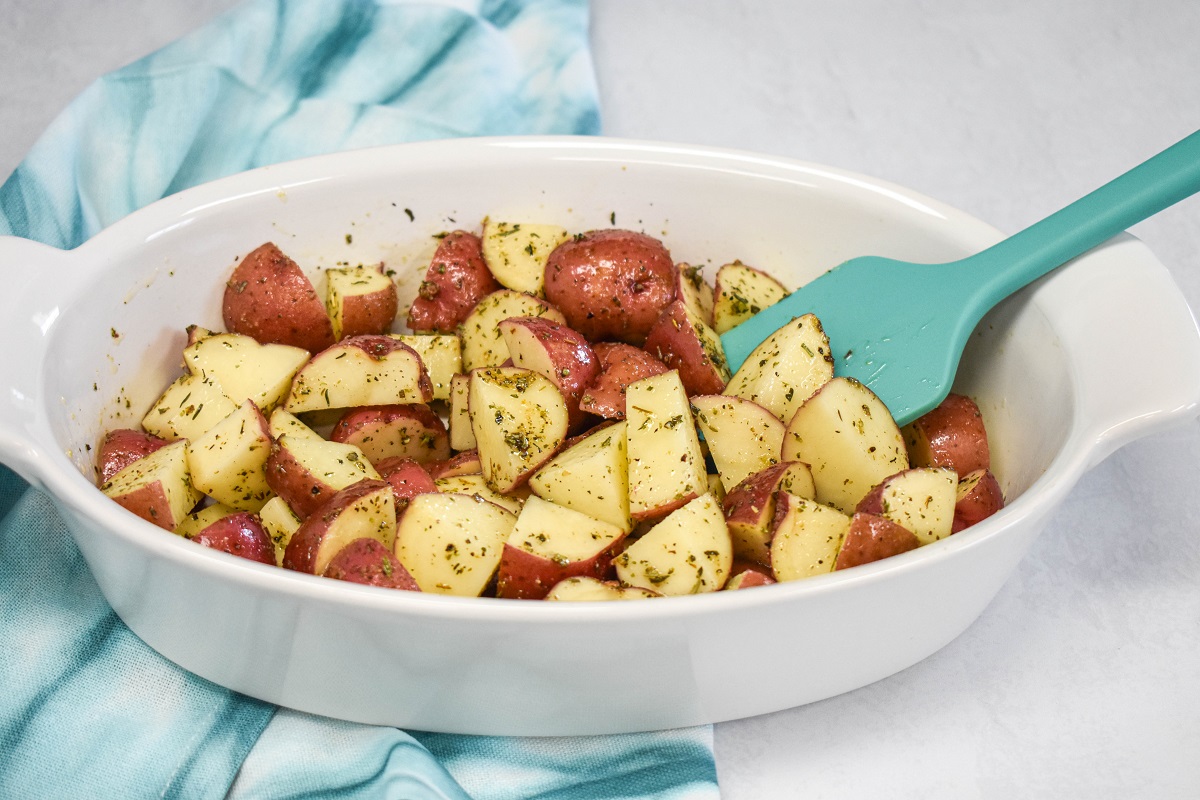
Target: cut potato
(457, 278)
(750, 507)
(308, 472)
(482, 342)
(849, 439)
(476, 486)
(465, 463)
(740, 292)
(452, 543)
(516, 252)
(620, 365)
(871, 537)
(369, 562)
(747, 576)
(364, 509)
(360, 371)
(242, 367)
(157, 487)
(411, 431)
(689, 552)
(229, 462)
(121, 447)
(197, 521)
(407, 478)
(441, 353)
(239, 534)
(550, 543)
(806, 538)
(188, 408)
(951, 435)
(683, 341)
(583, 589)
(558, 353)
(921, 500)
(978, 497)
(281, 523)
(786, 369)
(360, 300)
(695, 291)
(590, 476)
(743, 437)
(666, 465)
(284, 424)
(519, 419)
(268, 297)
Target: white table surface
(1082, 679)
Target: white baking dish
(1101, 352)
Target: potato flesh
(344, 283)
(482, 343)
(442, 355)
(157, 487)
(228, 462)
(280, 523)
(743, 437)
(244, 368)
(188, 408)
(516, 252)
(477, 486)
(666, 465)
(519, 419)
(741, 292)
(346, 376)
(462, 437)
(786, 369)
(452, 543)
(585, 589)
(807, 538)
(922, 500)
(591, 476)
(689, 552)
(561, 534)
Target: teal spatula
(900, 328)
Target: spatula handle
(1143, 191)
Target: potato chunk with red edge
(750, 507)
(360, 371)
(270, 298)
(452, 543)
(741, 291)
(666, 464)
(952, 435)
(239, 533)
(369, 562)
(977, 497)
(872, 537)
(611, 284)
(394, 431)
(407, 478)
(360, 300)
(620, 365)
(156, 487)
(584, 589)
(520, 420)
(689, 552)
(308, 472)
(557, 352)
(806, 538)
(921, 499)
(365, 509)
(121, 447)
(683, 341)
(457, 279)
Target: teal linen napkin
(86, 709)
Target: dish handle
(1134, 344)
(33, 280)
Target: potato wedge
(871, 537)
(750, 507)
(269, 298)
(978, 497)
(786, 369)
(452, 543)
(410, 430)
(188, 408)
(482, 342)
(121, 447)
(806, 538)
(921, 499)
(306, 472)
(476, 486)
(441, 353)
(741, 291)
(666, 464)
(557, 352)
(281, 523)
(371, 563)
(516, 252)
(684, 342)
(157, 487)
(228, 463)
(519, 419)
(952, 435)
(846, 435)
(363, 509)
(743, 437)
(583, 589)
(360, 371)
(244, 368)
(695, 291)
(360, 300)
(689, 552)
(590, 476)
(620, 365)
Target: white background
(1082, 679)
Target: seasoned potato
(620, 365)
(270, 298)
(611, 284)
(456, 280)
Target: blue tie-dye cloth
(86, 709)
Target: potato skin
(951, 435)
(872, 537)
(611, 284)
(678, 344)
(269, 298)
(368, 562)
(121, 447)
(620, 365)
(402, 431)
(239, 534)
(984, 499)
(457, 279)
(408, 479)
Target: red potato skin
(978, 504)
(750, 499)
(576, 363)
(270, 298)
(465, 463)
(371, 313)
(524, 576)
(150, 503)
(303, 491)
(408, 479)
(675, 343)
(428, 438)
(239, 534)
(368, 562)
(747, 575)
(121, 447)
(620, 365)
(951, 435)
(872, 537)
(611, 284)
(457, 279)
(303, 548)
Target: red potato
(360, 300)
(457, 279)
(666, 463)
(689, 552)
(465, 463)
(239, 534)
(156, 487)
(394, 431)
(520, 421)
(452, 543)
(977, 497)
(952, 435)
(683, 341)
(270, 298)
(369, 562)
(920, 499)
(620, 365)
(611, 284)
(557, 352)
(360, 371)
(121, 447)
(871, 537)
(806, 538)
(741, 291)
(308, 472)
(747, 575)
(365, 509)
(695, 291)
(750, 507)
(583, 589)
(407, 478)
